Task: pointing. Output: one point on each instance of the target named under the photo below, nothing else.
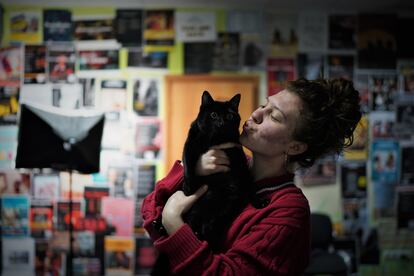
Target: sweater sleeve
(153, 204)
(277, 245)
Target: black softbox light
(51, 137)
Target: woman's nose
(257, 116)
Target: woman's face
(269, 129)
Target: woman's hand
(214, 160)
(177, 205)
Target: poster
(227, 52)
(159, 30)
(61, 58)
(383, 90)
(25, 25)
(119, 256)
(93, 199)
(195, 26)
(41, 218)
(9, 105)
(282, 34)
(93, 29)
(119, 212)
(15, 216)
(404, 127)
(198, 57)
(342, 31)
(18, 255)
(279, 72)
(35, 64)
(145, 255)
(353, 177)
(11, 66)
(98, 59)
(8, 145)
(385, 158)
(112, 97)
(129, 27)
(145, 96)
(148, 138)
(138, 58)
(311, 66)
(321, 173)
(313, 32)
(57, 25)
(382, 124)
(46, 186)
(341, 66)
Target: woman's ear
(296, 148)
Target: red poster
(279, 71)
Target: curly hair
(329, 116)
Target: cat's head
(219, 118)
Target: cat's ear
(234, 102)
(206, 99)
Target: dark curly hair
(329, 116)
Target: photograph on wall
(279, 72)
(341, 66)
(9, 105)
(227, 52)
(195, 26)
(321, 173)
(159, 29)
(68, 96)
(35, 64)
(11, 66)
(376, 41)
(382, 124)
(119, 256)
(13, 182)
(148, 138)
(145, 96)
(15, 215)
(128, 27)
(383, 91)
(353, 177)
(25, 25)
(98, 59)
(138, 58)
(310, 66)
(57, 25)
(93, 29)
(61, 58)
(342, 31)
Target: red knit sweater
(273, 240)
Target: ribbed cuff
(180, 246)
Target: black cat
(228, 192)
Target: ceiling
(402, 6)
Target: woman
(307, 120)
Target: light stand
(65, 140)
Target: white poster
(195, 26)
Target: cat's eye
(229, 116)
(213, 115)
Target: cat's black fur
(228, 192)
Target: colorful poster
(63, 215)
(148, 138)
(227, 52)
(159, 30)
(376, 41)
(119, 212)
(35, 64)
(353, 179)
(279, 72)
(25, 26)
(128, 27)
(14, 182)
(342, 31)
(57, 25)
(119, 256)
(41, 218)
(9, 105)
(406, 74)
(385, 160)
(11, 66)
(146, 93)
(341, 66)
(15, 215)
(93, 199)
(46, 186)
(98, 59)
(359, 148)
(94, 29)
(195, 26)
(61, 58)
(382, 124)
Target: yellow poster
(25, 26)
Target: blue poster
(15, 215)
